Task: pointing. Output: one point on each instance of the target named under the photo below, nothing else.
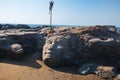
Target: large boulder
(10, 50)
(17, 43)
(71, 46)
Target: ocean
(41, 25)
(118, 28)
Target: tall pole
(50, 12)
(51, 20)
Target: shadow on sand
(68, 69)
(29, 61)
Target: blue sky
(65, 12)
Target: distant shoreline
(46, 25)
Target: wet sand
(32, 69)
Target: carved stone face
(93, 44)
(56, 50)
(17, 48)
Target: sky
(65, 12)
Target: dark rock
(98, 44)
(88, 68)
(23, 26)
(117, 66)
(8, 50)
(42, 26)
(16, 44)
(0, 26)
(18, 26)
(41, 41)
(8, 26)
(28, 42)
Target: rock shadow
(29, 61)
(75, 68)
(67, 69)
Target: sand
(32, 69)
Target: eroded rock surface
(88, 68)
(93, 48)
(16, 43)
(106, 72)
(98, 44)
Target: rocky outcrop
(0, 26)
(12, 26)
(17, 43)
(88, 68)
(106, 72)
(22, 26)
(93, 48)
(76, 46)
(8, 26)
(31, 40)
(41, 41)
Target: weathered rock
(16, 48)
(60, 45)
(18, 26)
(43, 30)
(0, 26)
(41, 41)
(11, 51)
(17, 43)
(101, 71)
(8, 26)
(99, 44)
(106, 72)
(88, 68)
(23, 26)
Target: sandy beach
(32, 69)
